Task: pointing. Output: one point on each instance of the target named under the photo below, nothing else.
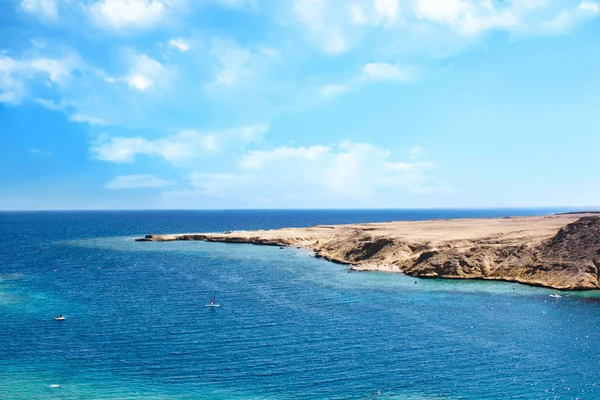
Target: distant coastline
(578, 212)
(560, 251)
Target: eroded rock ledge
(560, 251)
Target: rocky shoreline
(558, 251)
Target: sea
(289, 325)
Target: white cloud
(58, 70)
(139, 82)
(180, 44)
(415, 153)
(589, 6)
(100, 73)
(257, 159)
(51, 105)
(357, 14)
(334, 90)
(348, 169)
(16, 75)
(445, 11)
(431, 26)
(371, 72)
(567, 19)
(44, 9)
(178, 149)
(87, 119)
(301, 176)
(12, 85)
(136, 182)
(146, 73)
(233, 63)
(386, 10)
(246, 71)
(469, 17)
(128, 14)
(319, 18)
(384, 71)
(375, 13)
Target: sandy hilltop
(557, 251)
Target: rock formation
(562, 251)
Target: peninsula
(556, 251)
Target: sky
(218, 104)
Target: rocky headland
(557, 251)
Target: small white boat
(555, 296)
(59, 318)
(212, 303)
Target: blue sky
(299, 103)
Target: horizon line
(582, 209)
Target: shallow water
(290, 326)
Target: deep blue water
(289, 327)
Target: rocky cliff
(561, 252)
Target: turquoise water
(289, 327)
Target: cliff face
(570, 260)
(563, 257)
